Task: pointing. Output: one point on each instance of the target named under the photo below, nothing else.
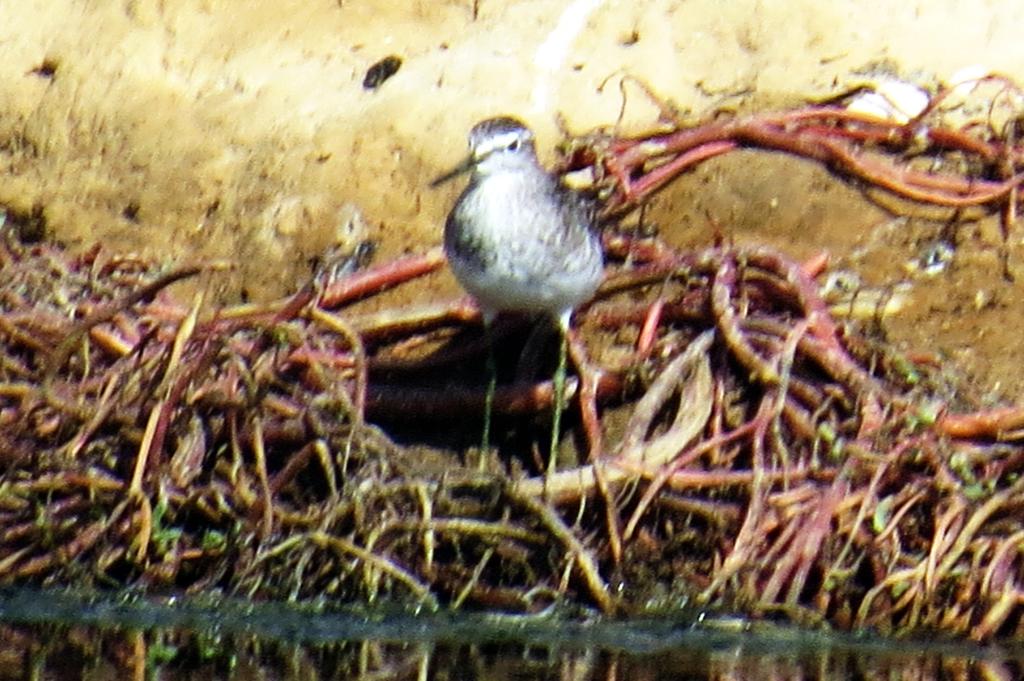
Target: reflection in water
(53, 637)
(47, 652)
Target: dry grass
(776, 462)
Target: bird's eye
(514, 146)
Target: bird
(517, 240)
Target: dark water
(54, 636)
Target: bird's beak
(464, 166)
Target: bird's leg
(558, 387)
(492, 386)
